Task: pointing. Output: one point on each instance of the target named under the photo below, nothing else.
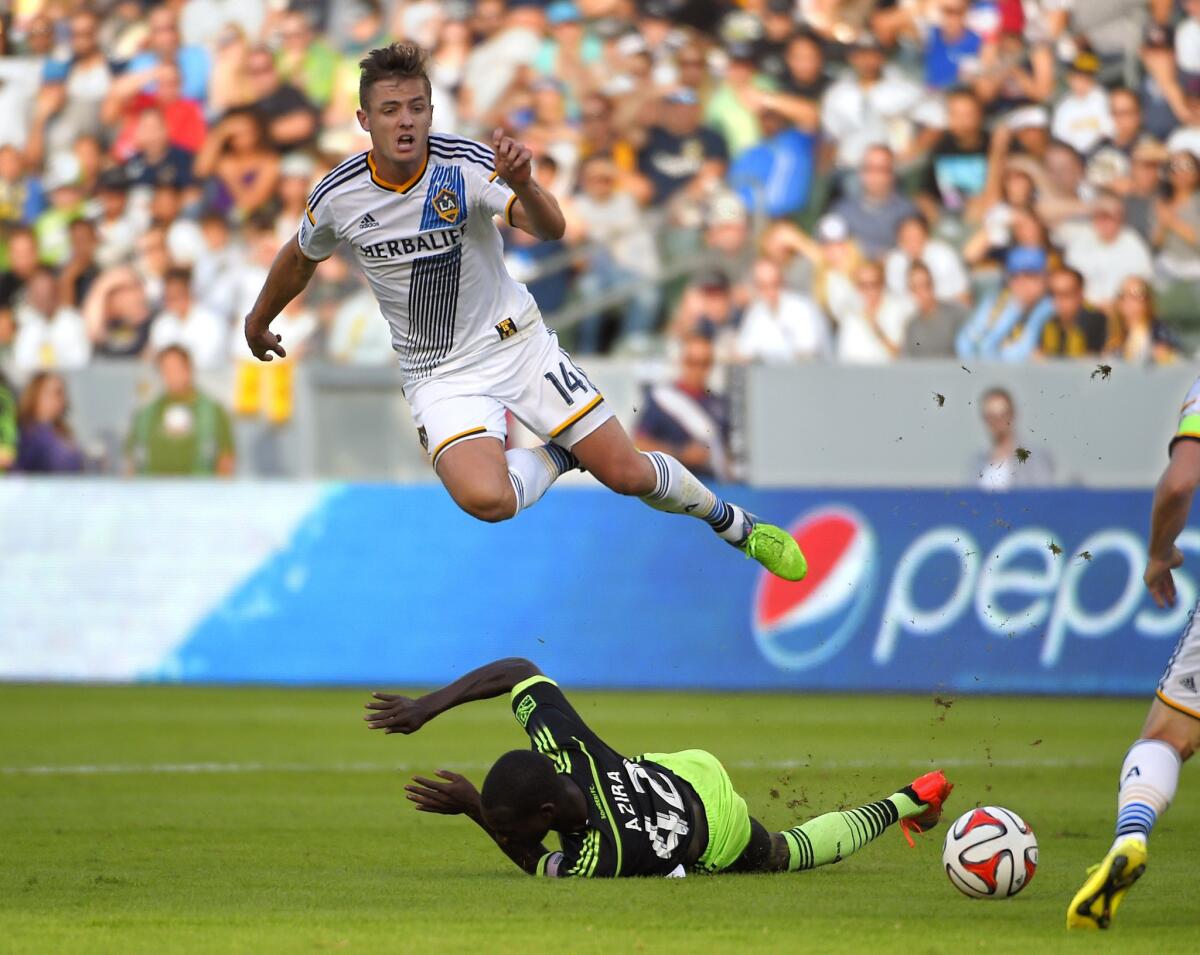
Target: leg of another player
(666, 485)
(1150, 773)
(1149, 778)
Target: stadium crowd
(861, 181)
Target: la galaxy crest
(445, 204)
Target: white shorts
(1178, 687)
(530, 376)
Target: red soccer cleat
(931, 790)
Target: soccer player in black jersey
(661, 814)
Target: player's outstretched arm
(401, 714)
(289, 274)
(536, 211)
(454, 794)
(1168, 517)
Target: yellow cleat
(1095, 905)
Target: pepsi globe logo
(800, 624)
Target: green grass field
(168, 819)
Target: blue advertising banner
(910, 591)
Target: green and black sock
(835, 835)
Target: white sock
(678, 491)
(1149, 777)
(533, 470)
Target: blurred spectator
(999, 468)
(241, 168)
(76, 87)
(188, 324)
(49, 333)
(215, 268)
(183, 431)
(1111, 163)
(61, 182)
(775, 175)
(8, 335)
(22, 261)
(732, 109)
(933, 330)
(1014, 71)
(707, 310)
(21, 79)
(874, 216)
(1143, 338)
(913, 244)
(202, 22)
(1082, 118)
(296, 176)
(118, 314)
(46, 444)
(871, 324)
(507, 41)
(117, 223)
(571, 52)
(126, 102)
(872, 105)
(289, 117)
(620, 254)
(8, 425)
(952, 49)
(806, 77)
(685, 418)
(81, 269)
(780, 326)
(957, 176)
(1145, 185)
(680, 152)
(304, 60)
(1007, 325)
(1175, 222)
(164, 46)
(1074, 330)
(1105, 250)
(155, 161)
(21, 197)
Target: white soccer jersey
(430, 249)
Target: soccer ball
(990, 853)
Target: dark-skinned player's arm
(401, 714)
(289, 274)
(535, 211)
(452, 795)
(1168, 517)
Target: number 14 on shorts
(570, 378)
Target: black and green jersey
(638, 823)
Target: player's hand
(514, 162)
(449, 796)
(395, 714)
(263, 342)
(1159, 580)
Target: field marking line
(215, 768)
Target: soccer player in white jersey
(1171, 733)
(417, 210)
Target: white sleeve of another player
(317, 236)
(490, 195)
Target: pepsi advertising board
(921, 591)
(907, 591)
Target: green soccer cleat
(1095, 905)
(776, 550)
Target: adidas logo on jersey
(1189, 683)
(368, 222)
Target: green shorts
(726, 812)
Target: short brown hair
(396, 61)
